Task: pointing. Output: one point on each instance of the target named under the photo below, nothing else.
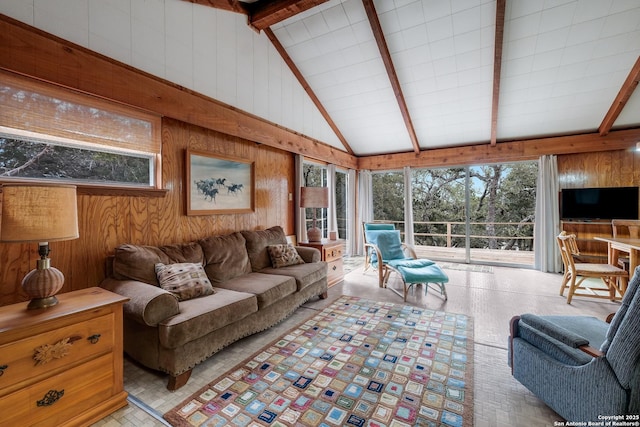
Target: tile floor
(492, 296)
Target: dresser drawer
(335, 271)
(61, 397)
(43, 353)
(332, 253)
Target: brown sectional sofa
(173, 336)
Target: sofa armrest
(148, 304)
(559, 333)
(308, 254)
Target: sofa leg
(178, 381)
(324, 295)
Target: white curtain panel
(365, 207)
(547, 223)
(332, 217)
(408, 207)
(352, 226)
(300, 212)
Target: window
(388, 197)
(314, 175)
(51, 133)
(43, 160)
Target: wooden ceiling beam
(264, 14)
(624, 94)
(305, 85)
(497, 68)
(391, 71)
(508, 151)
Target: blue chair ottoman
(415, 271)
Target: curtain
(408, 207)
(332, 214)
(547, 223)
(365, 207)
(301, 227)
(352, 227)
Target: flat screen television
(603, 203)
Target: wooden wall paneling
(16, 260)
(625, 165)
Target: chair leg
(565, 279)
(572, 289)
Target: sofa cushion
(184, 279)
(283, 255)
(257, 242)
(225, 257)
(268, 288)
(305, 274)
(138, 262)
(201, 316)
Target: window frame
(32, 118)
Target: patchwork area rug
(355, 363)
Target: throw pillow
(184, 280)
(283, 255)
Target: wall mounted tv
(603, 203)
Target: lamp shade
(314, 197)
(38, 213)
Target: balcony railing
(446, 240)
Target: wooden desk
(622, 244)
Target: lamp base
(45, 302)
(42, 284)
(314, 234)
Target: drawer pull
(2, 368)
(50, 398)
(93, 339)
(46, 353)
(334, 268)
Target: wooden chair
(625, 228)
(575, 273)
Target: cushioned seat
(418, 271)
(201, 316)
(304, 274)
(580, 366)
(268, 288)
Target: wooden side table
(62, 366)
(331, 251)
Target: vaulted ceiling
(393, 76)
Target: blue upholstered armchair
(582, 367)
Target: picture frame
(217, 184)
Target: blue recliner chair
(387, 254)
(580, 366)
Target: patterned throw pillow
(283, 255)
(184, 280)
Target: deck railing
(450, 234)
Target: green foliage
(501, 202)
(31, 159)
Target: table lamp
(314, 197)
(40, 213)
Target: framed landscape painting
(218, 185)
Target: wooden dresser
(331, 251)
(62, 366)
